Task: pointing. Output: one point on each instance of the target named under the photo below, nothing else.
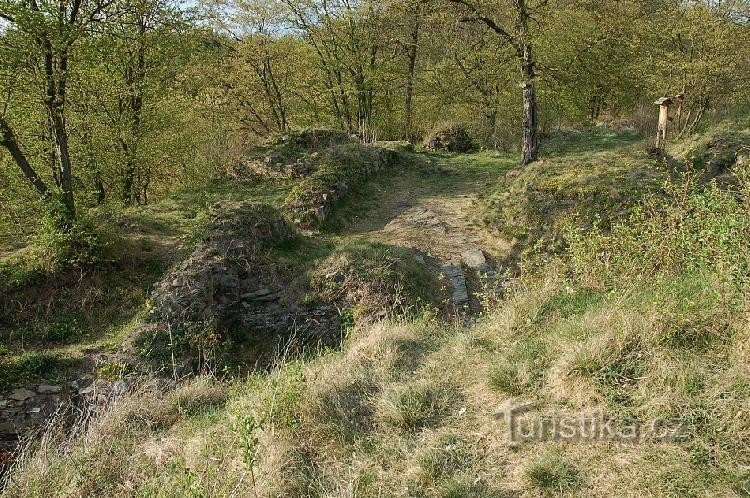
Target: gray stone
(455, 275)
(47, 389)
(7, 427)
(21, 394)
(36, 409)
(3, 403)
(119, 387)
(474, 259)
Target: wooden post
(661, 131)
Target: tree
(344, 36)
(49, 30)
(518, 36)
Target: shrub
(692, 230)
(449, 137)
(61, 242)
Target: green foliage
(63, 328)
(112, 371)
(62, 242)
(695, 229)
(32, 367)
(249, 440)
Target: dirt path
(435, 211)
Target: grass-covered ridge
(410, 409)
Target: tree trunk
(9, 141)
(55, 73)
(101, 192)
(530, 145)
(411, 55)
(135, 76)
(63, 157)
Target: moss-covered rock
(340, 168)
(449, 137)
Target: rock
(3, 404)
(455, 275)
(21, 394)
(259, 293)
(119, 387)
(87, 390)
(36, 409)
(474, 259)
(337, 277)
(47, 389)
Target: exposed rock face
(455, 275)
(274, 166)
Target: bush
(449, 137)
(698, 230)
(61, 242)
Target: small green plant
(347, 320)
(64, 328)
(112, 371)
(249, 426)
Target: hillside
(605, 301)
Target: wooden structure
(661, 130)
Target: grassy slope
(410, 409)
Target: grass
(376, 418)
(409, 406)
(553, 475)
(590, 177)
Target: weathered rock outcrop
(229, 293)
